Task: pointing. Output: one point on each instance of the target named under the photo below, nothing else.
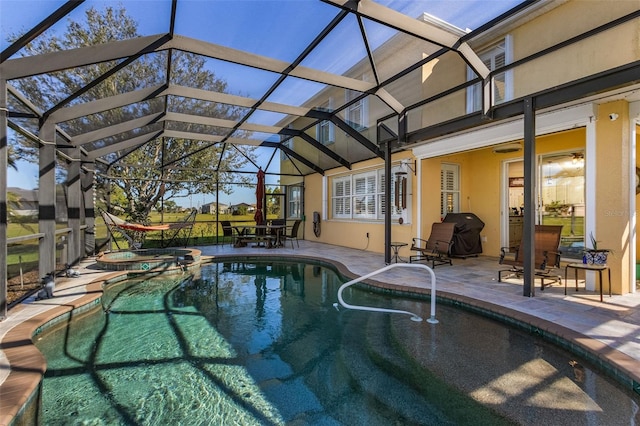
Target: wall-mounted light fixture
(404, 165)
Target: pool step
(386, 392)
(444, 382)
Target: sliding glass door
(561, 178)
(560, 199)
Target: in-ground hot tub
(165, 260)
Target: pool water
(260, 343)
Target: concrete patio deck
(609, 330)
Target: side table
(395, 247)
(587, 267)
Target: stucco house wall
(607, 143)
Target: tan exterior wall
(352, 233)
(437, 76)
(637, 197)
(480, 174)
(598, 53)
(612, 189)
(312, 203)
(481, 169)
(480, 194)
(601, 52)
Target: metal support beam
(74, 252)
(293, 154)
(528, 233)
(47, 199)
(4, 155)
(320, 147)
(129, 143)
(115, 129)
(357, 136)
(402, 133)
(48, 22)
(89, 214)
(387, 203)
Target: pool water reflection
(260, 343)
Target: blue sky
(276, 28)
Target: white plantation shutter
(361, 196)
(341, 199)
(499, 60)
(494, 58)
(371, 195)
(381, 188)
(449, 189)
(365, 195)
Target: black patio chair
(293, 235)
(227, 232)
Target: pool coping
(27, 365)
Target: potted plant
(595, 255)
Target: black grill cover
(466, 235)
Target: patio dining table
(244, 234)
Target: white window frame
(365, 190)
(351, 201)
(454, 190)
(289, 144)
(326, 127)
(488, 56)
(341, 197)
(356, 114)
(294, 199)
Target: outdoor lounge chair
(547, 256)
(437, 248)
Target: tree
(170, 206)
(156, 169)
(273, 202)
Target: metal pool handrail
(414, 317)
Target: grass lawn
(567, 228)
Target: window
(289, 144)
(325, 130)
(361, 196)
(450, 189)
(365, 191)
(294, 197)
(356, 113)
(341, 200)
(502, 90)
(562, 198)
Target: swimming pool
(261, 343)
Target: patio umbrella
(258, 217)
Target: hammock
(112, 220)
(124, 228)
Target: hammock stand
(134, 232)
